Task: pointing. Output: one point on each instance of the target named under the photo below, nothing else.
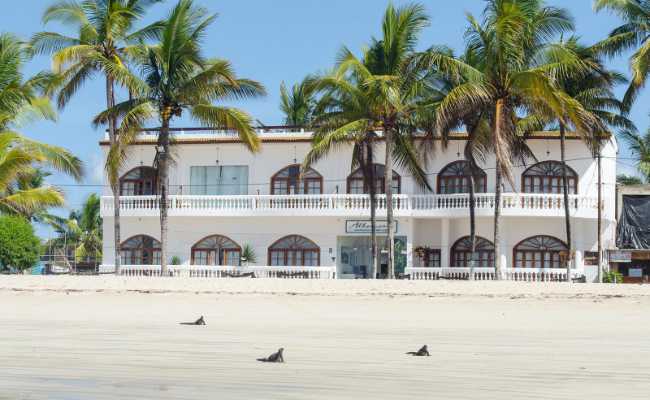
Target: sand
(113, 338)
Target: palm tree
(297, 104)
(82, 229)
(628, 180)
(639, 145)
(334, 131)
(506, 81)
(593, 89)
(21, 158)
(178, 78)
(103, 45)
(633, 34)
(388, 85)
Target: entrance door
(355, 257)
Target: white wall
(260, 233)
(337, 166)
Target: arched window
(289, 180)
(294, 250)
(140, 250)
(540, 252)
(356, 181)
(140, 181)
(461, 253)
(454, 178)
(216, 250)
(546, 177)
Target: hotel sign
(620, 256)
(364, 227)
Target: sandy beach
(114, 338)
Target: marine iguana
(424, 351)
(199, 321)
(275, 357)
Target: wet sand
(79, 338)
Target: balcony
(347, 205)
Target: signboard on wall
(359, 226)
(620, 256)
(635, 273)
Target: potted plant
(248, 255)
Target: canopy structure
(633, 230)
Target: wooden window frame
(139, 183)
(381, 180)
(482, 183)
(223, 251)
(489, 254)
(300, 182)
(142, 250)
(285, 251)
(532, 254)
(546, 181)
(427, 258)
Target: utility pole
(600, 215)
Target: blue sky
(275, 41)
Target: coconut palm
(639, 145)
(628, 180)
(105, 35)
(297, 104)
(593, 89)
(386, 90)
(333, 132)
(82, 230)
(20, 157)
(178, 79)
(633, 34)
(507, 81)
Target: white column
(444, 243)
(578, 262)
(503, 255)
(410, 238)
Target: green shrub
(19, 246)
(612, 277)
(176, 260)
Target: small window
(432, 258)
(140, 250)
(294, 250)
(291, 180)
(546, 177)
(461, 253)
(455, 177)
(216, 250)
(356, 181)
(222, 180)
(540, 252)
(139, 181)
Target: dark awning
(633, 231)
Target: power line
(329, 180)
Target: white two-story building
(225, 199)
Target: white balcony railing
(453, 206)
(481, 274)
(208, 271)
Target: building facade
(226, 202)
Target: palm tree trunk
(370, 184)
(600, 217)
(565, 192)
(388, 183)
(163, 173)
(472, 223)
(497, 223)
(115, 183)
